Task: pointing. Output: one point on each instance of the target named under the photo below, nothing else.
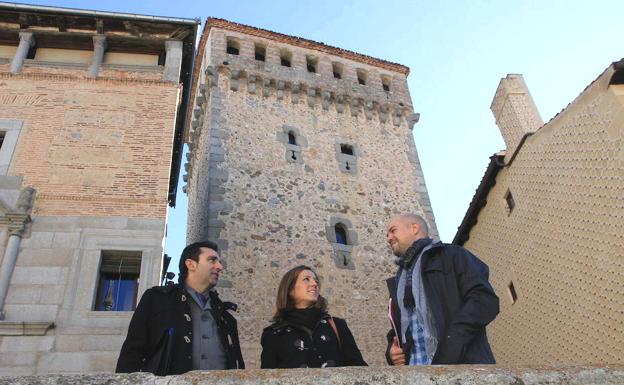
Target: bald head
(417, 219)
(405, 229)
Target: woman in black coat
(303, 334)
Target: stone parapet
(438, 375)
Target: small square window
(286, 59)
(292, 139)
(337, 70)
(341, 234)
(118, 282)
(385, 83)
(346, 149)
(510, 203)
(2, 134)
(311, 63)
(260, 52)
(361, 76)
(233, 46)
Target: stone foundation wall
(55, 281)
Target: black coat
(462, 303)
(165, 310)
(282, 346)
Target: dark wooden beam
(130, 27)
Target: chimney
(514, 111)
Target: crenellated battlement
(271, 64)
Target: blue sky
(457, 52)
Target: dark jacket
(164, 313)
(462, 303)
(289, 345)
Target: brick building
(91, 120)
(548, 218)
(299, 154)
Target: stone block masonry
(356, 166)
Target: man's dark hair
(192, 251)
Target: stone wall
(561, 245)
(55, 281)
(431, 375)
(272, 205)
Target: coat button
(205, 336)
(188, 340)
(188, 317)
(203, 356)
(204, 317)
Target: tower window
(293, 142)
(510, 203)
(311, 63)
(286, 59)
(260, 52)
(343, 238)
(361, 76)
(385, 83)
(118, 284)
(337, 70)
(291, 138)
(233, 46)
(347, 156)
(346, 149)
(341, 234)
(512, 292)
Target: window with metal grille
(118, 282)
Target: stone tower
(299, 154)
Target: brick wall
(92, 147)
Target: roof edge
(93, 13)
(480, 198)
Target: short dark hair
(192, 251)
(283, 302)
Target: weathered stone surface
(432, 375)
(274, 210)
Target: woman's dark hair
(192, 251)
(283, 302)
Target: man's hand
(397, 356)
